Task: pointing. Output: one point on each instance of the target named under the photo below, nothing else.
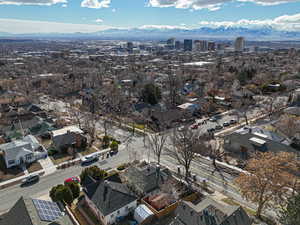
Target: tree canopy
(61, 193)
(290, 215)
(268, 181)
(94, 172)
(151, 94)
(74, 187)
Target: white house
(23, 151)
(109, 201)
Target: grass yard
(59, 158)
(33, 167)
(7, 174)
(46, 143)
(88, 151)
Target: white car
(89, 158)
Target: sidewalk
(48, 166)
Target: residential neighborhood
(107, 132)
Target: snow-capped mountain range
(155, 33)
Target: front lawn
(7, 174)
(59, 158)
(88, 151)
(33, 167)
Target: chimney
(157, 174)
(105, 190)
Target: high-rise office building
(197, 45)
(211, 46)
(177, 45)
(188, 45)
(239, 44)
(203, 46)
(129, 46)
(171, 43)
(220, 46)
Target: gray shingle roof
(65, 139)
(210, 212)
(109, 196)
(25, 213)
(145, 179)
(235, 140)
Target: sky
(68, 16)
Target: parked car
(213, 119)
(194, 126)
(211, 130)
(73, 179)
(30, 179)
(219, 127)
(89, 158)
(226, 124)
(232, 121)
(180, 129)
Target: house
(108, 200)
(189, 107)
(146, 180)
(21, 152)
(247, 141)
(209, 212)
(68, 138)
(28, 211)
(166, 117)
(69, 141)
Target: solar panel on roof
(48, 211)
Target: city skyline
(70, 16)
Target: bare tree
(156, 143)
(215, 153)
(90, 126)
(185, 148)
(288, 125)
(242, 107)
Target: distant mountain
(258, 34)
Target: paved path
(48, 166)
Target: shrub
(114, 146)
(93, 171)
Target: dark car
(219, 127)
(232, 121)
(30, 179)
(226, 124)
(211, 130)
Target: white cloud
(99, 20)
(16, 26)
(95, 4)
(285, 22)
(162, 27)
(64, 5)
(31, 2)
(208, 4)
